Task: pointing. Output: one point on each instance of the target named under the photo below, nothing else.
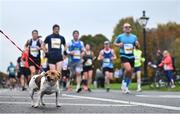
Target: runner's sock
(128, 81)
(107, 82)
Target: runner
(88, 57)
(18, 70)
(87, 68)
(107, 55)
(54, 51)
(65, 73)
(126, 42)
(24, 69)
(34, 46)
(75, 49)
(137, 66)
(11, 70)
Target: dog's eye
(52, 73)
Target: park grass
(133, 86)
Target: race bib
(34, 52)
(137, 58)
(77, 54)
(106, 60)
(88, 62)
(22, 64)
(11, 70)
(55, 43)
(128, 48)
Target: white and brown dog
(45, 83)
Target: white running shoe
(127, 91)
(173, 86)
(139, 90)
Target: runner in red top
(25, 72)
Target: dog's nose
(48, 78)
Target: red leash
(20, 49)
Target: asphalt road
(98, 101)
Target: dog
(45, 83)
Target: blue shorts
(136, 69)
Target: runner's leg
(90, 78)
(33, 70)
(138, 80)
(128, 74)
(52, 66)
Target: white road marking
(71, 104)
(3, 90)
(126, 102)
(160, 96)
(20, 97)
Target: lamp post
(143, 22)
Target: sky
(19, 17)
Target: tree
(175, 52)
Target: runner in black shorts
(88, 57)
(24, 70)
(65, 73)
(12, 75)
(34, 46)
(111, 70)
(126, 41)
(107, 55)
(125, 60)
(54, 51)
(18, 71)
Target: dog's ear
(59, 75)
(46, 73)
(43, 73)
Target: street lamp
(143, 22)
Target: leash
(39, 67)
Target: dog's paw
(36, 106)
(58, 106)
(43, 104)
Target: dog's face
(53, 75)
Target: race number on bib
(77, 54)
(106, 61)
(22, 64)
(137, 58)
(11, 70)
(88, 62)
(128, 48)
(34, 52)
(55, 43)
